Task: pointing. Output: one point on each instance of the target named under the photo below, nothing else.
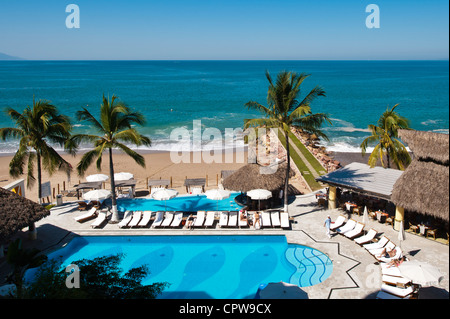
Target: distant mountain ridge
(4, 56)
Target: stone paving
(356, 275)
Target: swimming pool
(219, 267)
(189, 203)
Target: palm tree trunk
(39, 177)
(115, 214)
(286, 182)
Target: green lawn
(310, 157)
(306, 173)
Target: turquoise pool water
(191, 203)
(219, 267)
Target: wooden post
(206, 180)
(217, 179)
(64, 185)
(399, 217)
(54, 193)
(171, 182)
(58, 188)
(332, 198)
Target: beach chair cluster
(144, 219)
(275, 219)
(394, 285)
(99, 215)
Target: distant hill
(4, 56)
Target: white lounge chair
(397, 291)
(158, 219)
(223, 222)
(200, 219)
(377, 251)
(350, 225)
(101, 218)
(358, 230)
(395, 280)
(168, 217)
(398, 255)
(338, 223)
(242, 222)
(367, 238)
(177, 218)
(86, 216)
(284, 217)
(380, 244)
(137, 215)
(390, 271)
(128, 215)
(266, 219)
(275, 218)
(210, 216)
(146, 216)
(232, 219)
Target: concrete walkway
(356, 275)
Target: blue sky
(225, 29)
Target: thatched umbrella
(424, 185)
(255, 176)
(17, 212)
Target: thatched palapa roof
(17, 212)
(255, 176)
(424, 185)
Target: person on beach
(243, 216)
(257, 220)
(327, 226)
(190, 221)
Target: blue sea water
(171, 94)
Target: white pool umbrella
(421, 273)
(258, 194)
(282, 290)
(97, 195)
(217, 194)
(123, 176)
(97, 178)
(164, 194)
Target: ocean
(172, 94)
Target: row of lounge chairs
(139, 219)
(394, 285)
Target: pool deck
(356, 275)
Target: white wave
(431, 122)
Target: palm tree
(36, 127)
(286, 110)
(21, 260)
(385, 135)
(114, 126)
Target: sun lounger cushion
(177, 218)
(390, 271)
(209, 222)
(350, 225)
(377, 251)
(266, 219)
(200, 219)
(158, 219)
(90, 214)
(146, 216)
(366, 238)
(168, 217)
(136, 218)
(394, 280)
(223, 222)
(380, 244)
(128, 215)
(232, 219)
(284, 220)
(338, 223)
(275, 218)
(355, 231)
(99, 220)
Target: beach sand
(158, 165)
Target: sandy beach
(158, 165)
